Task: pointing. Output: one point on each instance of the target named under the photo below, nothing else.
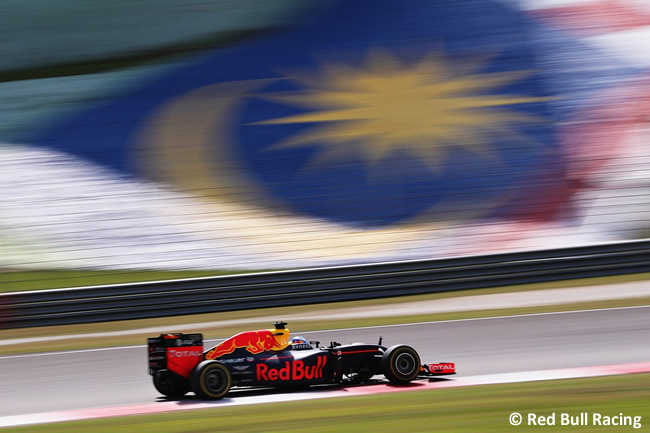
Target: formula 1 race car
(268, 357)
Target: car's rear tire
(400, 364)
(170, 384)
(211, 380)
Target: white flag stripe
(546, 4)
(630, 46)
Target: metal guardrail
(285, 288)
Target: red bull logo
(292, 370)
(253, 341)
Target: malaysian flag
(371, 130)
(607, 130)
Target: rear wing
(176, 352)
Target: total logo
(292, 370)
(444, 367)
(183, 353)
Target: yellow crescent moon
(183, 144)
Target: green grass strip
(20, 281)
(470, 409)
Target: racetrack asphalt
(118, 376)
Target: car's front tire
(400, 364)
(211, 380)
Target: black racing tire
(211, 380)
(170, 384)
(400, 364)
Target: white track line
(456, 304)
(166, 406)
(473, 319)
(158, 330)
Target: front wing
(435, 370)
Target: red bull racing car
(268, 357)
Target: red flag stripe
(596, 18)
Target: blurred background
(253, 135)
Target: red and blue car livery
(267, 357)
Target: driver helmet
(299, 340)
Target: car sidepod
(287, 368)
(281, 368)
(359, 362)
